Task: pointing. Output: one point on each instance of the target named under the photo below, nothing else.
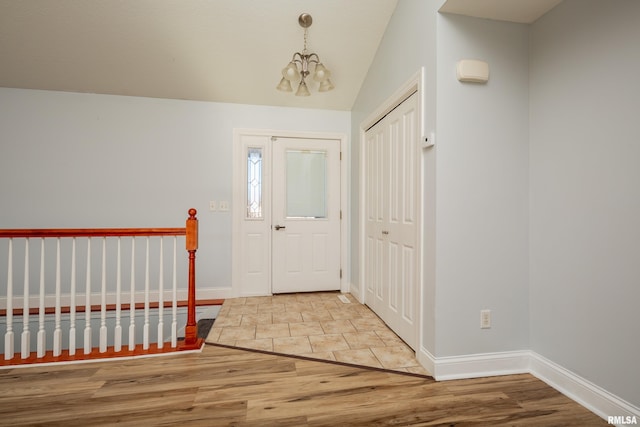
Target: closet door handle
(385, 232)
(278, 227)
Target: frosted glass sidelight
(306, 184)
(254, 183)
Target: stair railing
(72, 292)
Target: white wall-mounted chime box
(472, 70)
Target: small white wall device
(428, 140)
(472, 70)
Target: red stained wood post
(191, 329)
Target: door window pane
(306, 184)
(254, 183)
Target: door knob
(278, 227)
(385, 232)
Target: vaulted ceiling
(209, 50)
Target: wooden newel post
(191, 330)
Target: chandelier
(299, 67)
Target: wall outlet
(485, 319)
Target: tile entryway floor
(317, 325)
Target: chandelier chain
(305, 41)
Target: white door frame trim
(414, 84)
(238, 207)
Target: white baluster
(117, 339)
(87, 303)
(8, 336)
(41, 338)
(72, 305)
(26, 335)
(103, 299)
(161, 296)
(132, 298)
(174, 296)
(145, 333)
(57, 333)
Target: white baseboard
(427, 360)
(587, 394)
(479, 365)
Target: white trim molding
(586, 393)
(478, 365)
(427, 360)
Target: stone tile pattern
(317, 325)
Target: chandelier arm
(313, 58)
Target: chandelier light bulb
(290, 72)
(321, 73)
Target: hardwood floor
(233, 387)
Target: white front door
(391, 207)
(305, 215)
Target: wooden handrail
(91, 232)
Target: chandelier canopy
(302, 64)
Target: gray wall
(585, 191)
(86, 160)
(482, 188)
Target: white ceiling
(209, 50)
(521, 11)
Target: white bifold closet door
(392, 173)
